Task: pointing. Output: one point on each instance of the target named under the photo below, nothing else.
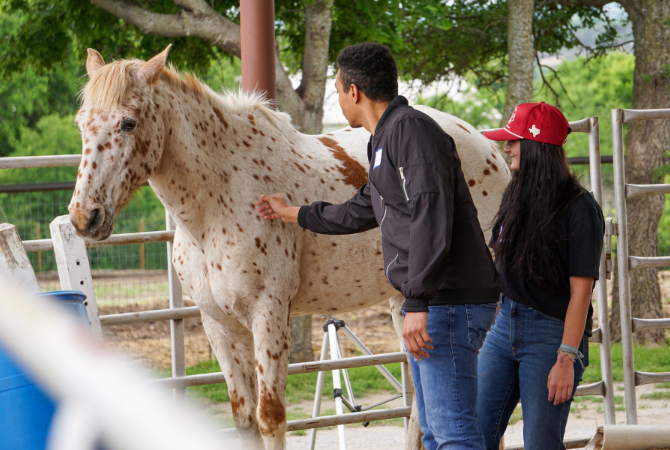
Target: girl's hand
(561, 380)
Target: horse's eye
(128, 125)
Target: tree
(521, 55)
(26, 97)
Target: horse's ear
(151, 69)
(94, 62)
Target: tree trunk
(309, 119)
(301, 339)
(647, 143)
(521, 54)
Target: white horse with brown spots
(208, 158)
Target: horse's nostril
(95, 219)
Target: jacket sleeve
(426, 164)
(353, 216)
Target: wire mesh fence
(126, 278)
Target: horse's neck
(206, 152)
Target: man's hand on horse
(415, 333)
(277, 206)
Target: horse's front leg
(272, 335)
(414, 433)
(233, 345)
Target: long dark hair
(538, 192)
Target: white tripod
(330, 339)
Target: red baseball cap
(534, 121)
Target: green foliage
(480, 108)
(593, 88)
(26, 96)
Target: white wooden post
(14, 262)
(74, 269)
(176, 326)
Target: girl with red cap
(547, 240)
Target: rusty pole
(257, 29)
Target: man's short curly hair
(371, 67)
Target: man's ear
(355, 93)
(94, 62)
(151, 69)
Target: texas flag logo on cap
(535, 121)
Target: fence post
(14, 262)
(601, 301)
(622, 260)
(74, 270)
(176, 326)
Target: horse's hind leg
(233, 346)
(414, 433)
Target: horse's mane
(110, 87)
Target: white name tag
(378, 158)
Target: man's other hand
(415, 333)
(277, 206)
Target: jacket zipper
(404, 189)
(387, 270)
(383, 217)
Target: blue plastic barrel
(26, 410)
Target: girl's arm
(561, 378)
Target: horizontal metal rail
(643, 262)
(650, 324)
(307, 367)
(642, 378)
(147, 237)
(630, 115)
(42, 187)
(585, 161)
(597, 336)
(572, 443)
(344, 419)
(329, 421)
(149, 316)
(33, 162)
(38, 187)
(638, 190)
(38, 245)
(591, 389)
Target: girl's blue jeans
(445, 385)
(514, 364)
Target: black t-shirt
(580, 229)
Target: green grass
(657, 395)
(365, 381)
(647, 359)
(662, 385)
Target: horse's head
(122, 135)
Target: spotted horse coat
(209, 157)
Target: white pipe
(72, 364)
(630, 437)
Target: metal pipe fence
(627, 263)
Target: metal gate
(622, 192)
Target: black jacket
(434, 249)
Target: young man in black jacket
(434, 249)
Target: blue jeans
(445, 385)
(514, 364)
